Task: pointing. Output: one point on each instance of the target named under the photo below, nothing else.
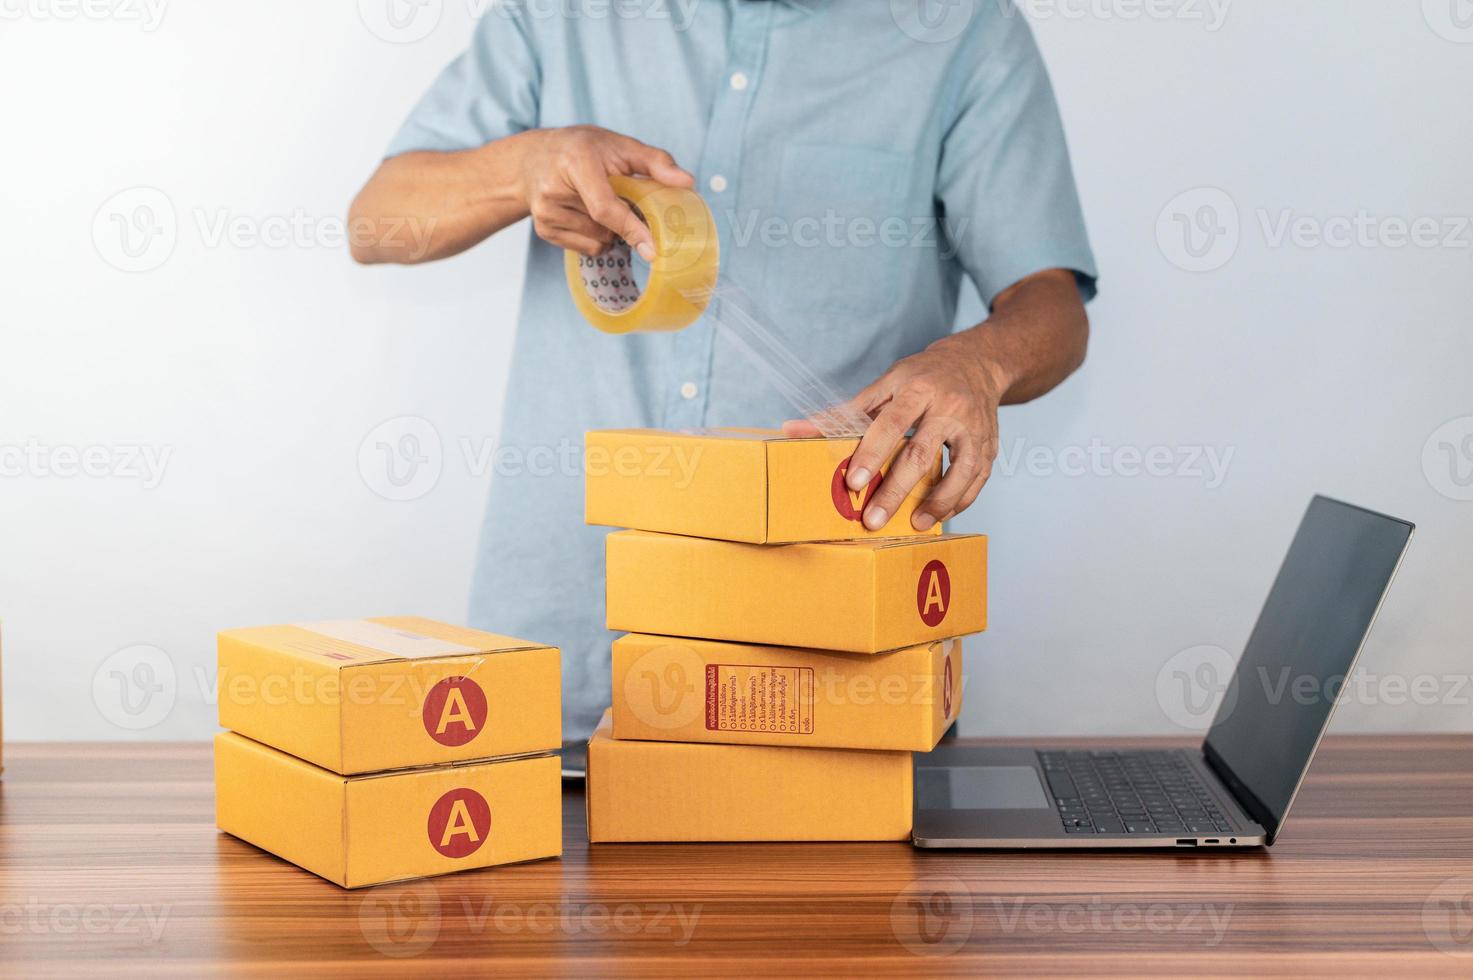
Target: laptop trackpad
(980, 788)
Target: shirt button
(717, 183)
(739, 81)
(688, 390)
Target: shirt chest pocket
(838, 245)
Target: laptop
(1236, 788)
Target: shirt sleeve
(1005, 183)
(489, 92)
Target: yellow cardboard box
(857, 596)
(751, 485)
(372, 694)
(681, 690)
(388, 826)
(682, 791)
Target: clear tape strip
(812, 397)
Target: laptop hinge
(1244, 796)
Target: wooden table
(110, 862)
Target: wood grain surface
(110, 863)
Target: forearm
(1035, 338)
(423, 206)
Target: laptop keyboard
(1131, 792)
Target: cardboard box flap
(351, 642)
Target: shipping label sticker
(752, 698)
(454, 711)
(933, 592)
(459, 823)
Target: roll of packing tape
(681, 278)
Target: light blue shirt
(859, 162)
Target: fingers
(965, 476)
(885, 434)
(652, 161)
(912, 464)
(800, 429)
(608, 209)
(570, 228)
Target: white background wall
(251, 369)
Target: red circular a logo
(946, 690)
(460, 822)
(454, 711)
(933, 593)
(851, 503)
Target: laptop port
(1186, 841)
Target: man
(815, 130)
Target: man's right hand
(426, 205)
(565, 184)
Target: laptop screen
(1305, 642)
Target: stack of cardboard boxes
(782, 661)
(377, 750)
